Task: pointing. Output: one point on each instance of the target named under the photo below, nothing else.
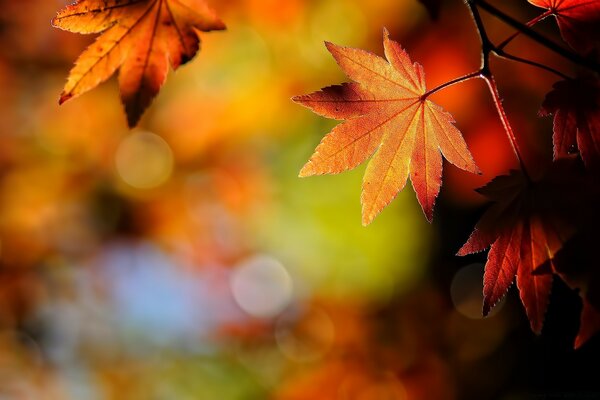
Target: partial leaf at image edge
(578, 21)
(528, 226)
(141, 38)
(575, 105)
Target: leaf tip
(219, 25)
(55, 21)
(589, 325)
(428, 211)
(332, 47)
(536, 328)
(64, 97)
(132, 121)
(461, 252)
(490, 301)
(581, 339)
(306, 171)
(133, 117)
(367, 219)
(368, 214)
(486, 308)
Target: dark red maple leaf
(525, 226)
(589, 325)
(575, 105)
(577, 266)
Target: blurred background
(184, 259)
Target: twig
(502, 54)
(486, 49)
(569, 55)
(528, 24)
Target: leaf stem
(487, 47)
(475, 74)
(528, 24)
(498, 51)
(565, 53)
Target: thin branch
(475, 74)
(486, 49)
(506, 123)
(502, 54)
(528, 24)
(486, 43)
(569, 55)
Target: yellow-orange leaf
(385, 113)
(141, 37)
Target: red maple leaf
(578, 21)
(525, 226)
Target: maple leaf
(576, 107)
(589, 325)
(526, 226)
(386, 115)
(141, 37)
(577, 265)
(578, 21)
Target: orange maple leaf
(141, 37)
(386, 113)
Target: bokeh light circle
(144, 160)
(466, 291)
(262, 287)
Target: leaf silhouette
(577, 265)
(526, 226)
(141, 37)
(589, 325)
(576, 108)
(385, 114)
(578, 21)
